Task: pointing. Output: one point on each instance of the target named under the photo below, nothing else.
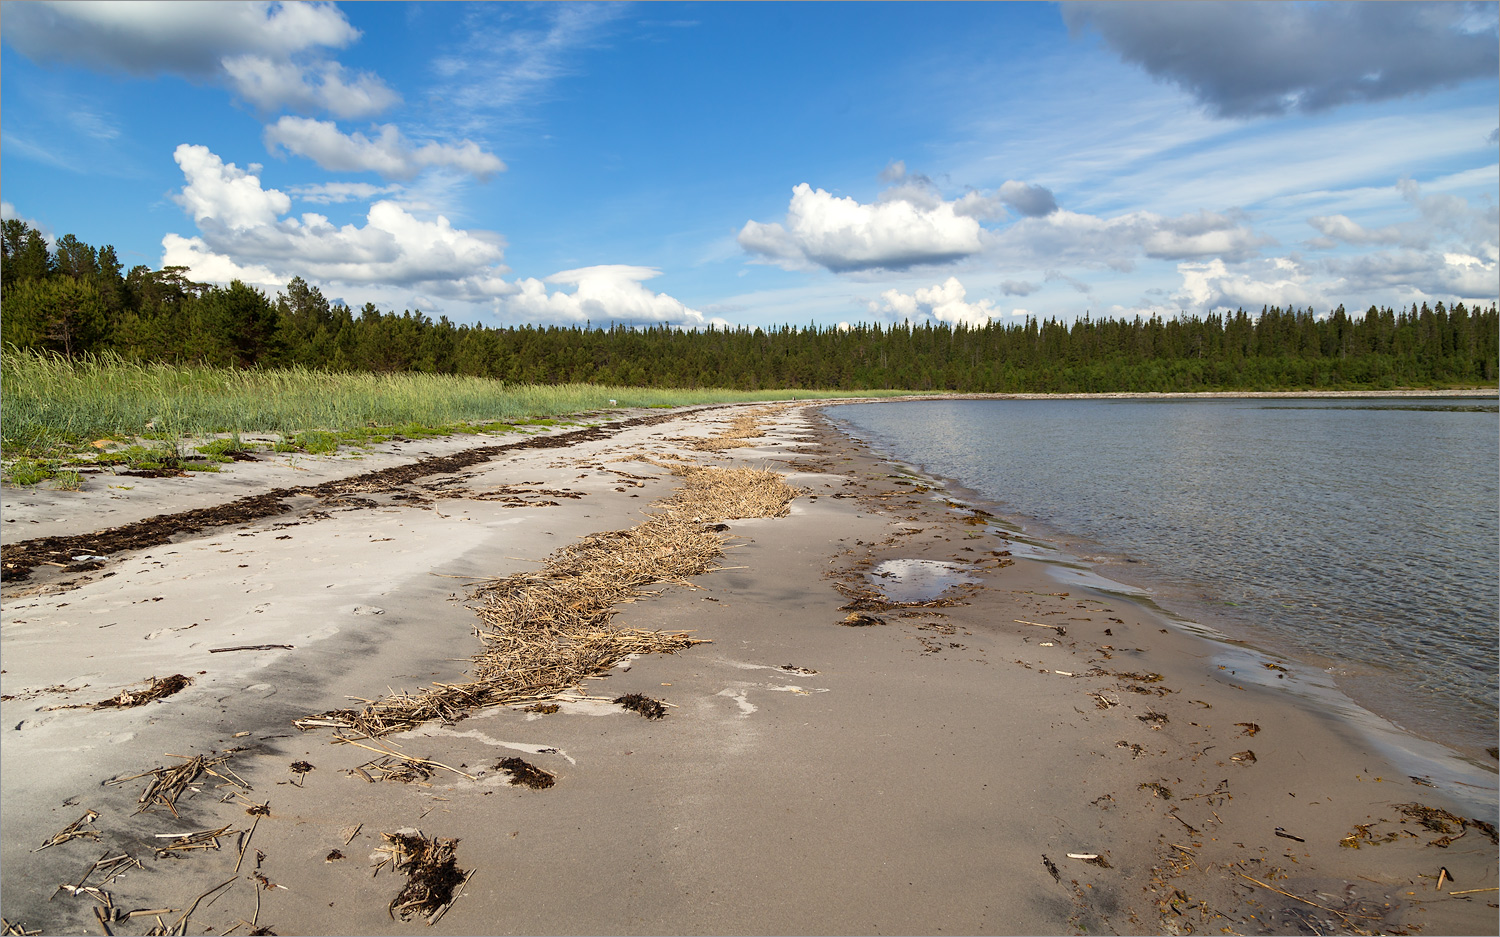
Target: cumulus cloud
(242, 228)
(1212, 285)
(1258, 58)
(945, 302)
(1448, 248)
(1033, 201)
(389, 154)
(272, 54)
(325, 86)
(1421, 273)
(601, 295)
(842, 234)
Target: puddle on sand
(917, 580)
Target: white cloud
(270, 84)
(842, 234)
(389, 154)
(8, 212)
(1342, 228)
(945, 302)
(1209, 286)
(602, 295)
(242, 228)
(1065, 237)
(1412, 273)
(272, 54)
(185, 38)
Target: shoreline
(1192, 604)
(932, 771)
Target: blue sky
(757, 164)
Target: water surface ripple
(1361, 536)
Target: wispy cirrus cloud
(512, 56)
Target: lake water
(1361, 537)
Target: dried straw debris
(186, 842)
(544, 631)
(168, 782)
(742, 428)
(74, 830)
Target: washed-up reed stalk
(742, 428)
(545, 631)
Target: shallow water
(908, 580)
(1361, 537)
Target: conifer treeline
(74, 299)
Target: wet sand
(931, 771)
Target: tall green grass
(48, 402)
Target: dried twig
(73, 830)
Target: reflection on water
(904, 580)
(1362, 537)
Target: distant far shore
(1486, 392)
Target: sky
(763, 164)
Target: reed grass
(52, 402)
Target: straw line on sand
(544, 631)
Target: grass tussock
(55, 405)
(544, 631)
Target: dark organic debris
(861, 619)
(333, 856)
(301, 767)
(1246, 757)
(792, 668)
(156, 688)
(19, 559)
(1140, 677)
(250, 647)
(527, 774)
(645, 705)
(1285, 835)
(1441, 821)
(1249, 727)
(1136, 751)
(1051, 868)
(543, 708)
(1154, 717)
(1158, 790)
(432, 874)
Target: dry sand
(932, 772)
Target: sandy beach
(892, 724)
